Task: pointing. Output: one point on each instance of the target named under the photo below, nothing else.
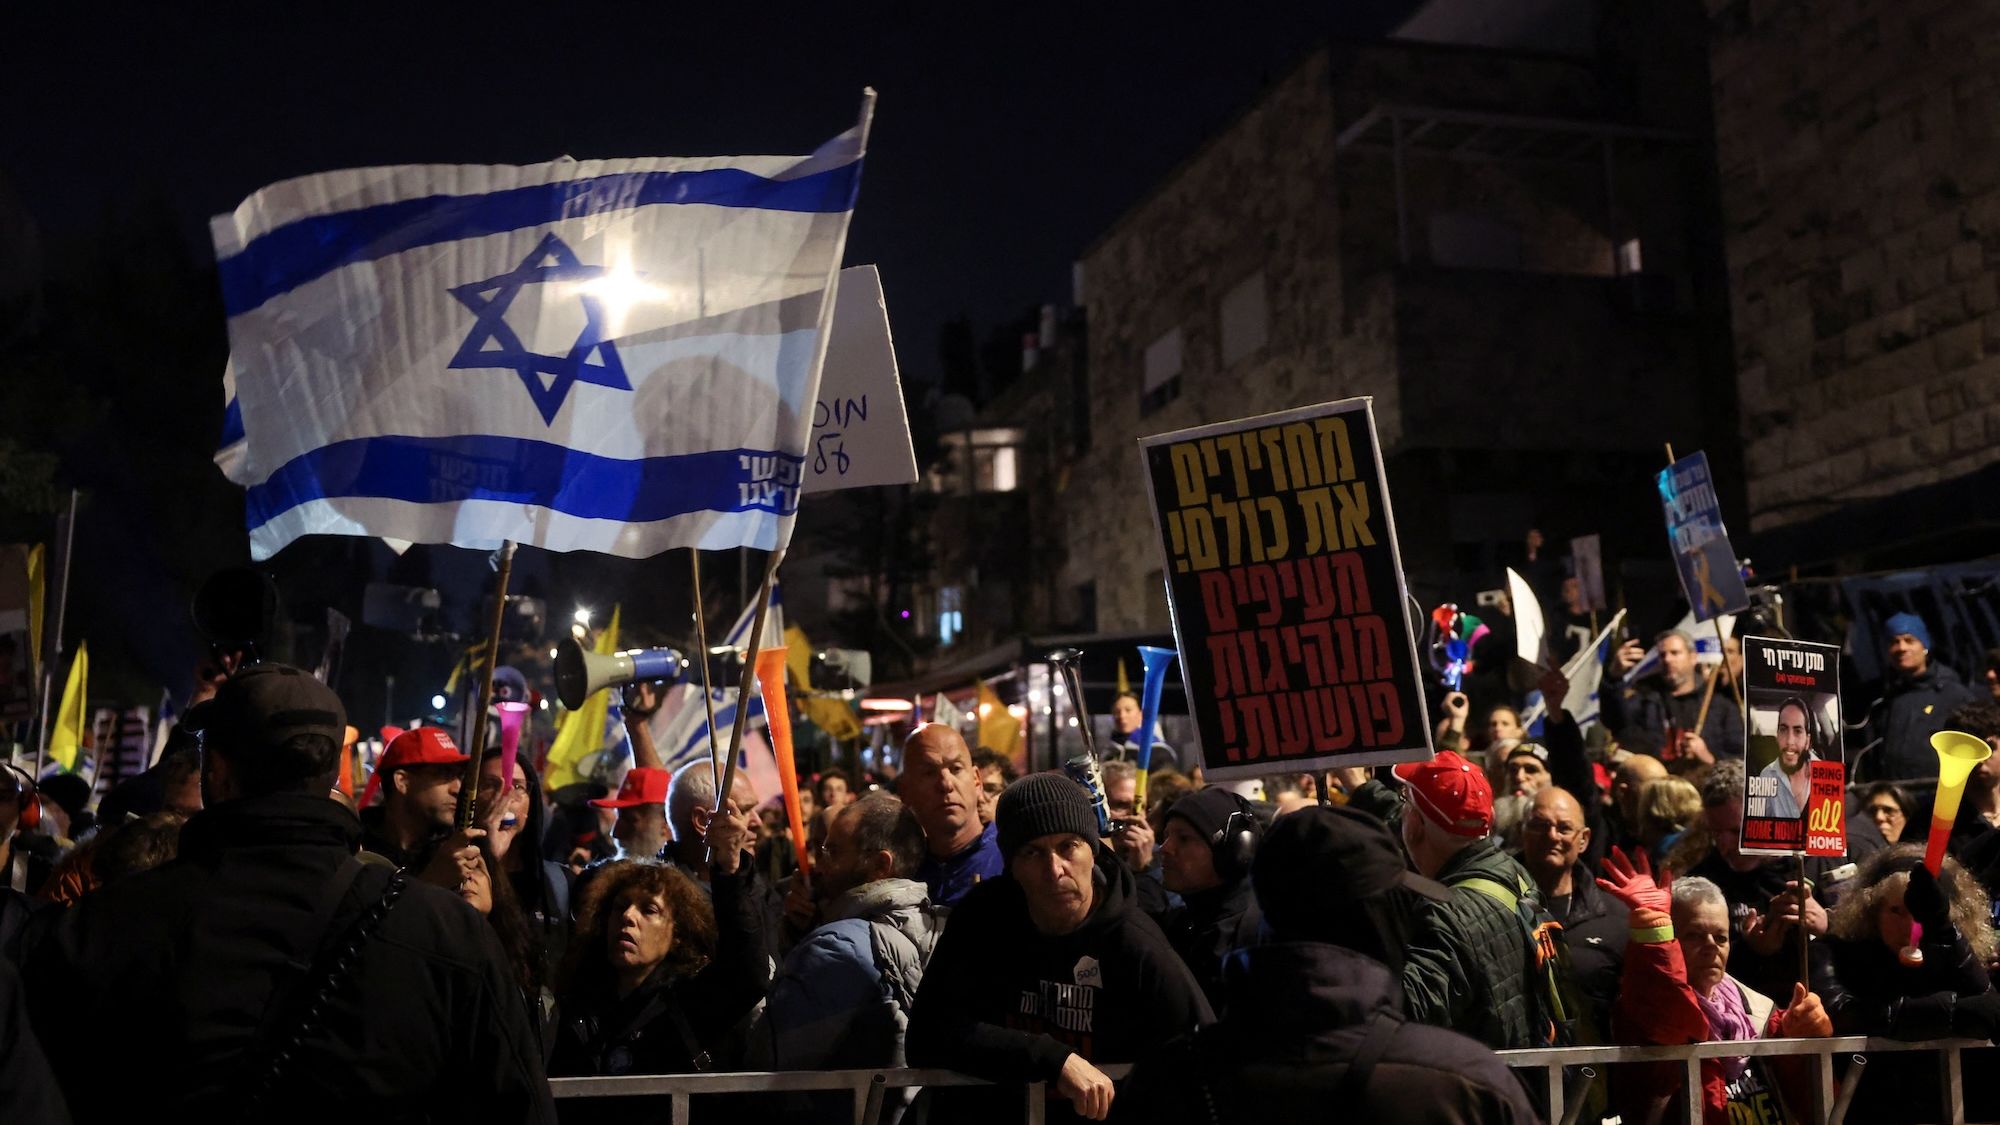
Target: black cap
(265, 704)
(1208, 810)
(1316, 863)
(1043, 804)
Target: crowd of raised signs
(228, 935)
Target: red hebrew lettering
(1217, 603)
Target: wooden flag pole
(468, 793)
(749, 680)
(707, 690)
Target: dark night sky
(1005, 141)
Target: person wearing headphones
(1210, 837)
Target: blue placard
(1707, 564)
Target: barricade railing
(869, 1088)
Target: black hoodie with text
(1004, 1002)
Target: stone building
(1860, 184)
(1486, 242)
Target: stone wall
(1859, 148)
(1256, 197)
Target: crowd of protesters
(227, 936)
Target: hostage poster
(1795, 771)
(1287, 592)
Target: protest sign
(1287, 592)
(1707, 564)
(860, 431)
(1795, 772)
(1586, 554)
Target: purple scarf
(1728, 1019)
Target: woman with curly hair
(1872, 987)
(648, 985)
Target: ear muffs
(31, 798)
(1235, 845)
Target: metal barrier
(868, 1087)
(1553, 1060)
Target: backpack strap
(1491, 889)
(1354, 1083)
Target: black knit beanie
(1043, 804)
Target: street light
(438, 702)
(582, 616)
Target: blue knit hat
(1911, 624)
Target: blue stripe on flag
(517, 470)
(232, 424)
(286, 257)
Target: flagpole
(749, 680)
(56, 649)
(707, 691)
(468, 793)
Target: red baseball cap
(420, 746)
(1451, 792)
(644, 785)
(423, 746)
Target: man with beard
(1644, 715)
(1788, 769)
(1048, 969)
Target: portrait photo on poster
(1787, 734)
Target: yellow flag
(582, 733)
(830, 715)
(1124, 681)
(37, 588)
(998, 730)
(71, 734)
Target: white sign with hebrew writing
(860, 433)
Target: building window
(1246, 319)
(950, 614)
(1629, 258)
(972, 461)
(1163, 372)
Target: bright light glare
(552, 654)
(438, 702)
(619, 290)
(582, 616)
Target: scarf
(1728, 1019)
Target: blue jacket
(842, 999)
(953, 878)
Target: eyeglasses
(1884, 810)
(1551, 828)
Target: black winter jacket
(1297, 1016)
(1004, 1002)
(1909, 712)
(1466, 966)
(672, 1026)
(1639, 715)
(1868, 991)
(168, 972)
(1208, 927)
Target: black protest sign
(1287, 592)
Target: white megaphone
(580, 672)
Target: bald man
(941, 785)
(1626, 785)
(1554, 837)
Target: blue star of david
(491, 343)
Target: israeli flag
(612, 355)
(680, 732)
